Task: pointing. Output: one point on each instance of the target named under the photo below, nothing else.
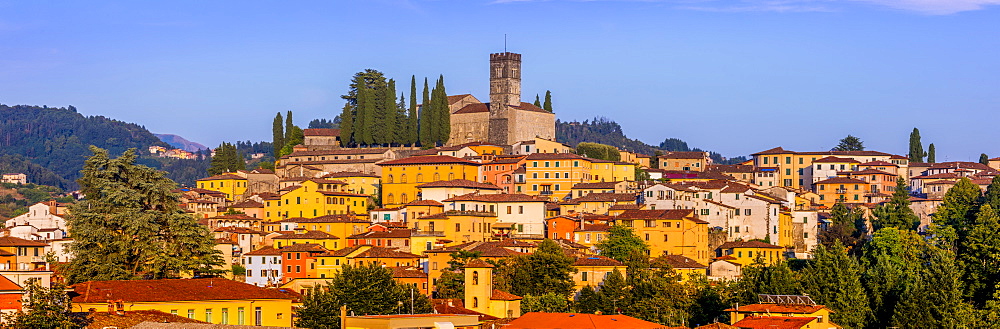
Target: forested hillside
(50, 144)
(605, 131)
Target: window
(240, 316)
(475, 278)
(509, 209)
(647, 236)
(704, 212)
(746, 212)
(173, 312)
(458, 227)
(208, 315)
(583, 276)
(665, 237)
(190, 314)
(520, 209)
(258, 316)
(475, 302)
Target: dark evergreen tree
(850, 143)
(411, 130)
(288, 128)
(888, 262)
(897, 213)
(538, 101)
(442, 115)
(324, 123)
(917, 153)
(832, 278)
(955, 214)
(931, 154)
(980, 257)
(402, 132)
(547, 105)
(760, 278)
(984, 159)
(278, 134)
(425, 124)
(364, 289)
(934, 298)
(992, 195)
(226, 159)
(365, 120)
(131, 225)
(346, 125)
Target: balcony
(427, 233)
(548, 192)
(841, 191)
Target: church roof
(485, 107)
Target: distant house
(14, 178)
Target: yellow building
(638, 159)
(459, 226)
(611, 171)
(232, 185)
(684, 267)
(316, 197)
(400, 177)
(841, 189)
(480, 295)
(333, 261)
(592, 270)
(685, 161)
(791, 166)
(321, 238)
(597, 203)
(341, 226)
(747, 252)
(357, 182)
(670, 232)
(213, 300)
(551, 175)
(437, 259)
(775, 309)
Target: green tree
(888, 262)
(760, 278)
(547, 105)
(850, 143)
(656, 295)
(588, 301)
(844, 227)
(614, 293)
(226, 159)
(931, 153)
(992, 195)
(324, 123)
(288, 127)
(132, 227)
(346, 125)
(623, 245)
(917, 153)
(278, 135)
(897, 213)
(833, 278)
(955, 215)
(442, 116)
(426, 124)
(984, 159)
(452, 281)
(42, 308)
(537, 102)
(934, 298)
(364, 289)
(549, 302)
(598, 151)
(547, 270)
(296, 137)
(411, 129)
(980, 259)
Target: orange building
(299, 261)
(842, 189)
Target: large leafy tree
(955, 214)
(934, 297)
(772, 279)
(888, 262)
(850, 143)
(130, 226)
(623, 245)
(549, 302)
(844, 227)
(897, 213)
(980, 257)
(833, 278)
(43, 308)
(364, 289)
(655, 294)
(547, 270)
(917, 153)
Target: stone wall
(529, 124)
(469, 127)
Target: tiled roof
(730, 168)
(429, 159)
(505, 197)
(344, 174)
(321, 132)
(393, 234)
(132, 318)
(593, 228)
(678, 261)
(539, 320)
(878, 163)
(779, 308)
(596, 261)
(425, 203)
(248, 204)
(553, 156)
(684, 155)
(748, 244)
(456, 98)
(776, 150)
(339, 218)
(946, 175)
(591, 186)
(408, 272)
(459, 183)
(836, 160)
(8, 285)
(456, 306)
(657, 214)
(9, 241)
(867, 172)
(168, 290)
(604, 197)
(347, 151)
(485, 107)
(309, 247)
(773, 322)
(266, 251)
(503, 295)
(717, 325)
(221, 177)
(382, 252)
(307, 235)
(625, 207)
(477, 263)
(841, 180)
(236, 216)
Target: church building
(505, 120)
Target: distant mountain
(606, 131)
(180, 142)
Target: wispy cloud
(930, 7)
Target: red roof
(539, 320)
(841, 180)
(424, 203)
(836, 160)
(266, 251)
(169, 290)
(9, 241)
(222, 177)
(429, 159)
(459, 183)
(321, 132)
(779, 308)
(505, 197)
(7, 285)
(748, 244)
(773, 322)
(408, 272)
(503, 295)
(596, 261)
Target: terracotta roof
(456, 98)
(593, 228)
(596, 261)
(730, 168)
(657, 214)
(408, 272)
(9, 241)
(321, 132)
(717, 325)
(591, 186)
(836, 160)
(539, 320)
(866, 172)
(625, 207)
(946, 175)
(776, 150)
(485, 107)
(393, 234)
(425, 203)
(477, 263)
(248, 204)
(678, 261)
(8, 285)
(604, 197)
(429, 159)
(382, 252)
(459, 183)
(344, 174)
(345, 151)
(239, 230)
(167, 290)
(309, 247)
(236, 216)
(221, 177)
(779, 308)
(456, 306)
(505, 197)
(307, 235)
(554, 156)
(503, 295)
(266, 251)
(131, 318)
(878, 163)
(841, 180)
(773, 322)
(748, 244)
(339, 218)
(684, 155)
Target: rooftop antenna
(505, 42)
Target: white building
(263, 267)
(37, 224)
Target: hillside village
(501, 187)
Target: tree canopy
(850, 143)
(364, 289)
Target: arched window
(437, 177)
(451, 176)
(390, 179)
(390, 199)
(475, 301)
(403, 198)
(402, 178)
(420, 178)
(475, 278)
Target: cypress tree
(916, 148)
(387, 126)
(934, 298)
(889, 260)
(346, 125)
(984, 159)
(277, 136)
(364, 121)
(547, 106)
(443, 114)
(411, 129)
(538, 102)
(833, 278)
(402, 121)
(288, 127)
(426, 124)
(931, 156)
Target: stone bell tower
(505, 91)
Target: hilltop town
(501, 225)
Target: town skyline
(872, 69)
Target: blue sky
(734, 76)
